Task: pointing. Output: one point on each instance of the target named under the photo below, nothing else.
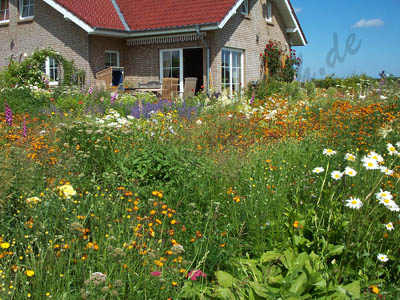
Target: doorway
(193, 65)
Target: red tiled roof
(157, 14)
(96, 13)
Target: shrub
(278, 63)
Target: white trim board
(69, 16)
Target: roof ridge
(120, 15)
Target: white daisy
(393, 207)
(369, 163)
(387, 202)
(389, 226)
(354, 203)
(386, 170)
(329, 152)
(350, 157)
(350, 172)
(392, 150)
(382, 257)
(375, 156)
(318, 170)
(336, 175)
(384, 195)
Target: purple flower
(155, 273)
(9, 114)
(252, 99)
(113, 97)
(24, 128)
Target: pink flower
(193, 275)
(155, 273)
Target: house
(217, 41)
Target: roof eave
(152, 32)
(69, 16)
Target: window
(245, 7)
(232, 70)
(4, 11)
(171, 65)
(268, 11)
(112, 59)
(50, 68)
(26, 9)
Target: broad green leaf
(334, 250)
(299, 285)
(270, 256)
(259, 289)
(275, 280)
(317, 280)
(288, 259)
(224, 279)
(224, 293)
(299, 240)
(354, 289)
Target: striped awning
(166, 39)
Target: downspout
(205, 44)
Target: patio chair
(190, 87)
(169, 88)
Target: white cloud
(368, 23)
(297, 10)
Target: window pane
(175, 72)
(175, 59)
(235, 59)
(167, 61)
(235, 76)
(166, 73)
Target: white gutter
(69, 16)
(295, 22)
(230, 14)
(125, 34)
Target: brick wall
(142, 63)
(241, 32)
(47, 29)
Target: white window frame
(111, 52)
(244, 8)
(22, 5)
(47, 71)
(268, 11)
(241, 83)
(162, 51)
(6, 12)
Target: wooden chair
(190, 87)
(170, 88)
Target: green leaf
(334, 250)
(299, 285)
(270, 256)
(224, 279)
(299, 240)
(224, 293)
(259, 289)
(288, 259)
(354, 289)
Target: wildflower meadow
(282, 191)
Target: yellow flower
(67, 191)
(5, 245)
(33, 200)
(296, 224)
(29, 273)
(174, 283)
(374, 289)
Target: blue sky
(376, 24)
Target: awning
(166, 39)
